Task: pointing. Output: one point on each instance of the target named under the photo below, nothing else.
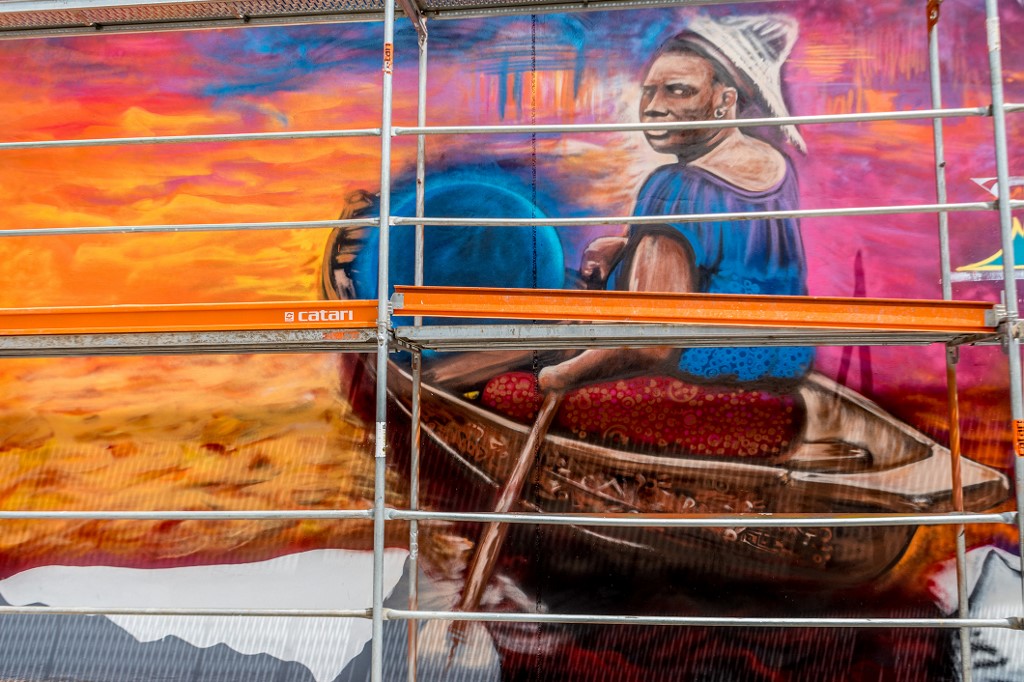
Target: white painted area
(993, 591)
(991, 185)
(321, 579)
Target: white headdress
(757, 46)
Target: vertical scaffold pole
(952, 395)
(383, 327)
(421, 154)
(412, 652)
(412, 649)
(1006, 232)
(940, 151)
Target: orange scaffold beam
(968, 317)
(189, 317)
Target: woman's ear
(727, 99)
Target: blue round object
(506, 257)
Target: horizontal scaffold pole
(858, 117)
(674, 520)
(189, 139)
(186, 227)
(276, 315)
(1010, 623)
(967, 317)
(704, 217)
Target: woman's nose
(655, 106)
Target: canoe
(852, 458)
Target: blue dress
(763, 256)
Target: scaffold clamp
(997, 315)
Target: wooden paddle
(493, 535)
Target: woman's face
(679, 87)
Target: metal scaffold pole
(1006, 233)
(952, 352)
(417, 365)
(412, 650)
(383, 329)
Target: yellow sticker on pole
(389, 57)
(1018, 436)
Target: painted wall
(266, 432)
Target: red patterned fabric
(663, 412)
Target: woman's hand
(600, 257)
(552, 378)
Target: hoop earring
(719, 113)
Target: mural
(658, 430)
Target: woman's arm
(660, 263)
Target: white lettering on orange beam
(320, 316)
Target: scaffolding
(605, 319)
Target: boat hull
(852, 458)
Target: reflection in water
(196, 433)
